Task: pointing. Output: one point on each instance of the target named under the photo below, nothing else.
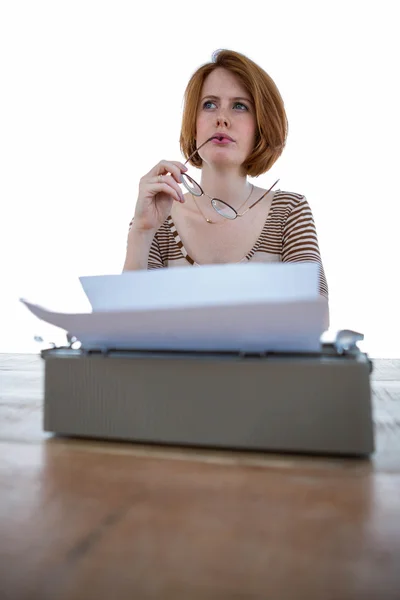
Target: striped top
(288, 235)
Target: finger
(170, 191)
(170, 168)
(160, 184)
(171, 182)
(167, 166)
(180, 165)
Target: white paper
(249, 308)
(211, 285)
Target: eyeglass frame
(212, 199)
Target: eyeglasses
(222, 208)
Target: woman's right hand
(158, 189)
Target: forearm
(138, 249)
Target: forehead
(223, 83)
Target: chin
(226, 162)
(224, 157)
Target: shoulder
(286, 204)
(290, 199)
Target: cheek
(200, 123)
(250, 132)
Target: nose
(221, 120)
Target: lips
(222, 137)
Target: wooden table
(84, 519)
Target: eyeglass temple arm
(259, 200)
(197, 149)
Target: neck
(232, 187)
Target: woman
(234, 126)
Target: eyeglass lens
(223, 209)
(191, 185)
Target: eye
(241, 104)
(207, 102)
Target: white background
(91, 98)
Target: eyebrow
(235, 98)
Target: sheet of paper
(211, 285)
(291, 326)
(238, 308)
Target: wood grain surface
(83, 519)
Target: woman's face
(225, 107)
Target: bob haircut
(271, 121)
